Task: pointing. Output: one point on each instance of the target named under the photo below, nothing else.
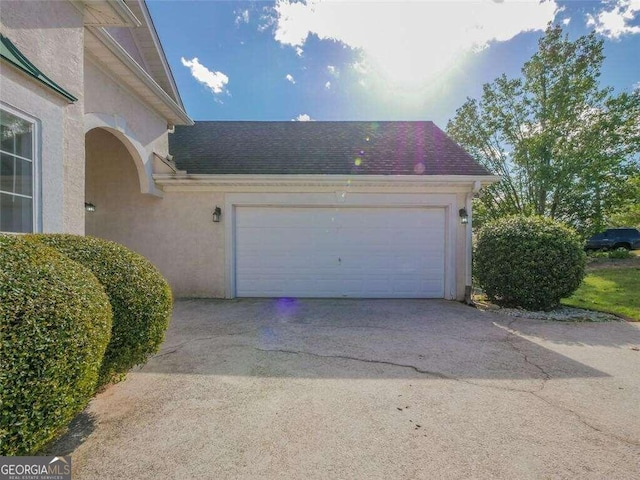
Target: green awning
(10, 53)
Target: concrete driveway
(369, 389)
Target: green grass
(611, 290)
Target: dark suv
(613, 238)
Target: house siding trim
(204, 181)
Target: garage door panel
(337, 252)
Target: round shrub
(140, 298)
(55, 323)
(528, 262)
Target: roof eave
(217, 180)
(14, 57)
(163, 57)
(178, 115)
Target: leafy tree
(629, 214)
(564, 146)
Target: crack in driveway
(547, 377)
(356, 359)
(443, 376)
(419, 370)
(510, 337)
(580, 418)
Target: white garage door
(340, 252)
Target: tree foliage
(628, 215)
(564, 146)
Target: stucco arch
(117, 125)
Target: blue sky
(370, 60)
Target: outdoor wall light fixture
(464, 216)
(89, 207)
(217, 213)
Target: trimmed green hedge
(140, 298)
(55, 323)
(528, 262)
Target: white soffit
(151, 49)
(110, 54)
(107, 13)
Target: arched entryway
(113, 185)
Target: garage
(317, 209)
(394, 252)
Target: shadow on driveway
(311, 338)
(376, 389)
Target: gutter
(469, 181)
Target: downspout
(468, 288)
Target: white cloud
(242, 16)
(299, 51)
(290, 78)
(360, 67)
(303, 117)
(566, 21)
(333, 71)
(215, 81)
(636, 86)
(327, 85)
(614, 20)
(409, 41)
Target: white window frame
(35, 165)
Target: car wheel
(626, 246)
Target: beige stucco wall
(107, 98)
(104, 94)
(50, 34)
(45, 109)
(175, 232)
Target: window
(17, 173)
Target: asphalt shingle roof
(339, 148)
